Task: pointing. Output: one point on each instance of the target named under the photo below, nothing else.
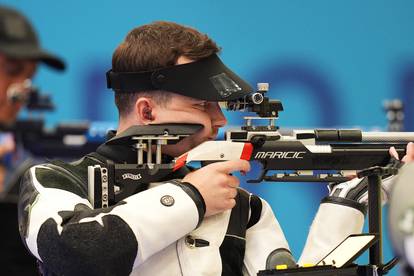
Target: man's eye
(202, 105)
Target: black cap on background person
(20, 55)
(18, 40)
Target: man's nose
(217, 117)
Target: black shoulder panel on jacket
(94, 250)
(59, 178)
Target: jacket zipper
(178, 257)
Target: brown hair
(154, 46)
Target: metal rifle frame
(374, 175)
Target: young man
(20, 53)
(193, 223)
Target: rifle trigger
(258, 140)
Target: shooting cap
(206, 79)
(18, 39)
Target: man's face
(12, 72)
(181, 109)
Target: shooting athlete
(191, 223)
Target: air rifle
(320, 155)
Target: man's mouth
(212, 137)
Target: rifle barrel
(388, 137)
(356, 135)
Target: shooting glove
(357, 188)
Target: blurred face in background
(13, 73)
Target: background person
(20, 54)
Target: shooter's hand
(357, 188)
(7, 144)
(216, 185)
(409, 156)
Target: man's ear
(144, 110)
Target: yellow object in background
(280, 267)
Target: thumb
(410, 153)
(393, 152)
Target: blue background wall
(332, 63)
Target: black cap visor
(206, 79)
(23, 51)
